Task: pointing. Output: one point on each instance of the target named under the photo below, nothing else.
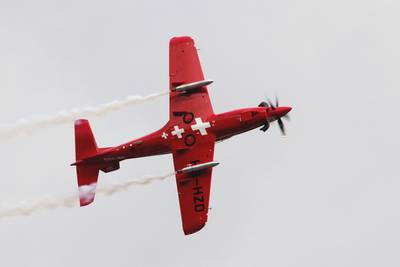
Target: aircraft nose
(282, 111)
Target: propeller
(281, 126)
(265, 127)
(273, 107)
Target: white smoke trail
(25, 208)
(30, 124)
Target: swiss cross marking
(164, 135)
(201, 126)
(178, 131)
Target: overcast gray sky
(327, 194)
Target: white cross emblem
(201, 126)
(164, 135)
(178, 132)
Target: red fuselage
(223, 126)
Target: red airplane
(190, 135)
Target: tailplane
(85, 147)
(85, 144)
(87, 181)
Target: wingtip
(180, 39)
(81, 121)
(83, 203)
(194, 229)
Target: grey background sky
(325, 195)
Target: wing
(194, 187)
(188, 110)
(185, 68)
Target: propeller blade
(281, 126)
(287, 117)
(270, 104)
(265, 127)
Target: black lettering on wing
(198, 198)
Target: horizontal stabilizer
(85, 144)
(87, 181)
(191, 86)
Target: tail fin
(85, 146)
